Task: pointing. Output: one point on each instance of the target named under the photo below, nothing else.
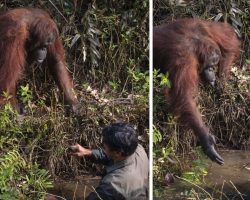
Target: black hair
(120, 137)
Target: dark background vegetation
(107, 47)
(225, 110)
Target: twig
(58, 11)
(237, 190)
(84, 194)
(54, 195)
(74, 197)
(183, 179)
(221, 192)
(96, 193)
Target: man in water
(126, 164)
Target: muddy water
(76, 189)
(235, 172)
(230, 181)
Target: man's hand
(79, 151)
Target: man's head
(120, 140)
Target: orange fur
(18, 28)
(183, 48)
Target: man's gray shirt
(125, 180)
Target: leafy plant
(140, 80)
(7, 117)
(198, 170)
(160, 79)
(25, 93)
(19, 178)
(157, 136)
